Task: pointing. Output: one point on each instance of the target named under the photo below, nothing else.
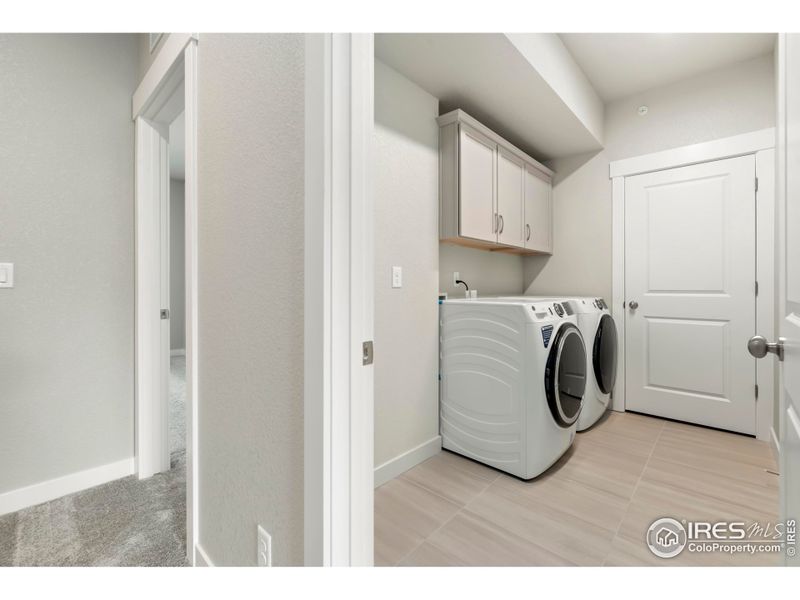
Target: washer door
(604, 354)
(565, 375)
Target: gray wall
(177, 272)
(725, 102)
(250, 226)
(406, 235)
(66, 216)
(728, 101)
(490, 273)
(581, 260)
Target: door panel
(690, 266)
(789, 279)
(510, 199)
(538, 217)
(477, 186)
(678, 216)
(700, 344)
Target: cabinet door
(510, 199)
(538, 212)
(476, 186)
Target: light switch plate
(6, 275)
(264, 550)
(397, 277)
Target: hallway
(124, 523)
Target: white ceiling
(487, 76)
(177, 149)
(622, 64)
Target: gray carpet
(177, 403)
(128, 522)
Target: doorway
(176, 243)
(690, 254)
(693, 280)
(165, 114)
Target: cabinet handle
(502, 224)
(528, 232)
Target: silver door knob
(759, 347)
(633, 304)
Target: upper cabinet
(538, 211)
(492, 195)
(476, 180)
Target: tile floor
(593, 507)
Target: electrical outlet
(6, 275)
(456, 276)
(264, 551)
(397, 277)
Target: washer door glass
(565, 375)
(604, 354)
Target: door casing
(338, 383)
(760, 143)
(174, 68)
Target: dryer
(513, 381)
(600, 334)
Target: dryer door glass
(565, 375)
(604, 354)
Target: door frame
(338, 304)
(175, 64)
(760, 143)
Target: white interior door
(690, 264)
(476, 184)
(789, 279)
(165, 329)
(152, 295)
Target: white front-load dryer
(513, 380)
(600, 335)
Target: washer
(600, 333)
(513, 380)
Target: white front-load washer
(513, 380)
(600, 335)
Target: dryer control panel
(547, 310)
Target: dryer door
(604, 354)
(565, 375)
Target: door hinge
(756, 391)
(164, 313)
(756, 288)
(367, 353)
(756, 183)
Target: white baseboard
(178, 352)
(394, 467)
(201, 558)
(775, 445)
(61, 486)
